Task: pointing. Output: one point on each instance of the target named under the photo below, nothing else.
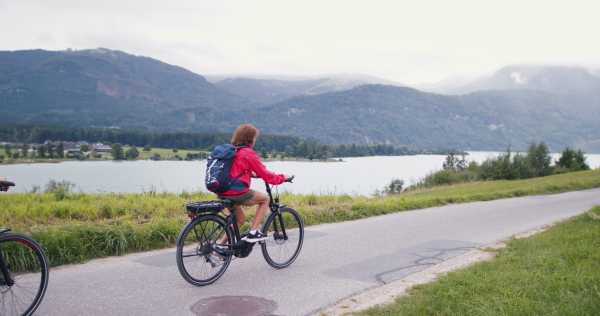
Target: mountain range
(104, 88)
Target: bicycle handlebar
(5, 184)
(290, 179)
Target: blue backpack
(218, 170)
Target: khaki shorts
(239, 199)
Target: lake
(353, 176)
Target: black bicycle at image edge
(202, 258)
(23, 271)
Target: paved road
(337, 261)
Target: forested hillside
(106, 88)
(489, 120)
(100, 87)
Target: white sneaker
(258, 236)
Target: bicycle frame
(237, 246)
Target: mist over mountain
(270, 90)
(554, 79)
(105, 88)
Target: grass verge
(555, 272)
(75, 227)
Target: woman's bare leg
(262, 200)
(241, 219)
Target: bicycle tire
(279, 251)
(28, 267)
(196, 260)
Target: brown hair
(245, 135)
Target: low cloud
(518, 78)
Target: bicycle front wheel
(286, 235)
(197, 260)
(27, 267)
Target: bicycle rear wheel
(286, 235)
(28, 268)
(196, 259)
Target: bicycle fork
(279, 234)
(7, 280)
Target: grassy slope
(77, 227)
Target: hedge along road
(337, 261)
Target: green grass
(556, 272)
(74, 227)
(330, 208)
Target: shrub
(60, 189)
(394, 187)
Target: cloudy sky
(407, 41)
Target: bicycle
(23, 271)
(202, 260)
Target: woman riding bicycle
(248, 163)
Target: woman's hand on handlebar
(4, 184)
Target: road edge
(387, 294)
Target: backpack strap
(236, 184)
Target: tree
(263, 153)
(572, 161)
(132, 153)
(50, 150)
(539, 159)
(302, 149)
(395, 187)
(453, 163)
(24, 150)
(83, 148)
(504, 168)
(147, 148)
(7, 150)
(580, 161)
(288, 151)
(117, 151)
(60, 150)
(41, 150)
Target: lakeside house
(69, 147)
(101, 148)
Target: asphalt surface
(336, 262)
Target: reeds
(74, 227)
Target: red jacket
(247, 159)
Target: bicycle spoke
(286, 235)
(28, 267)
(196, 260)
